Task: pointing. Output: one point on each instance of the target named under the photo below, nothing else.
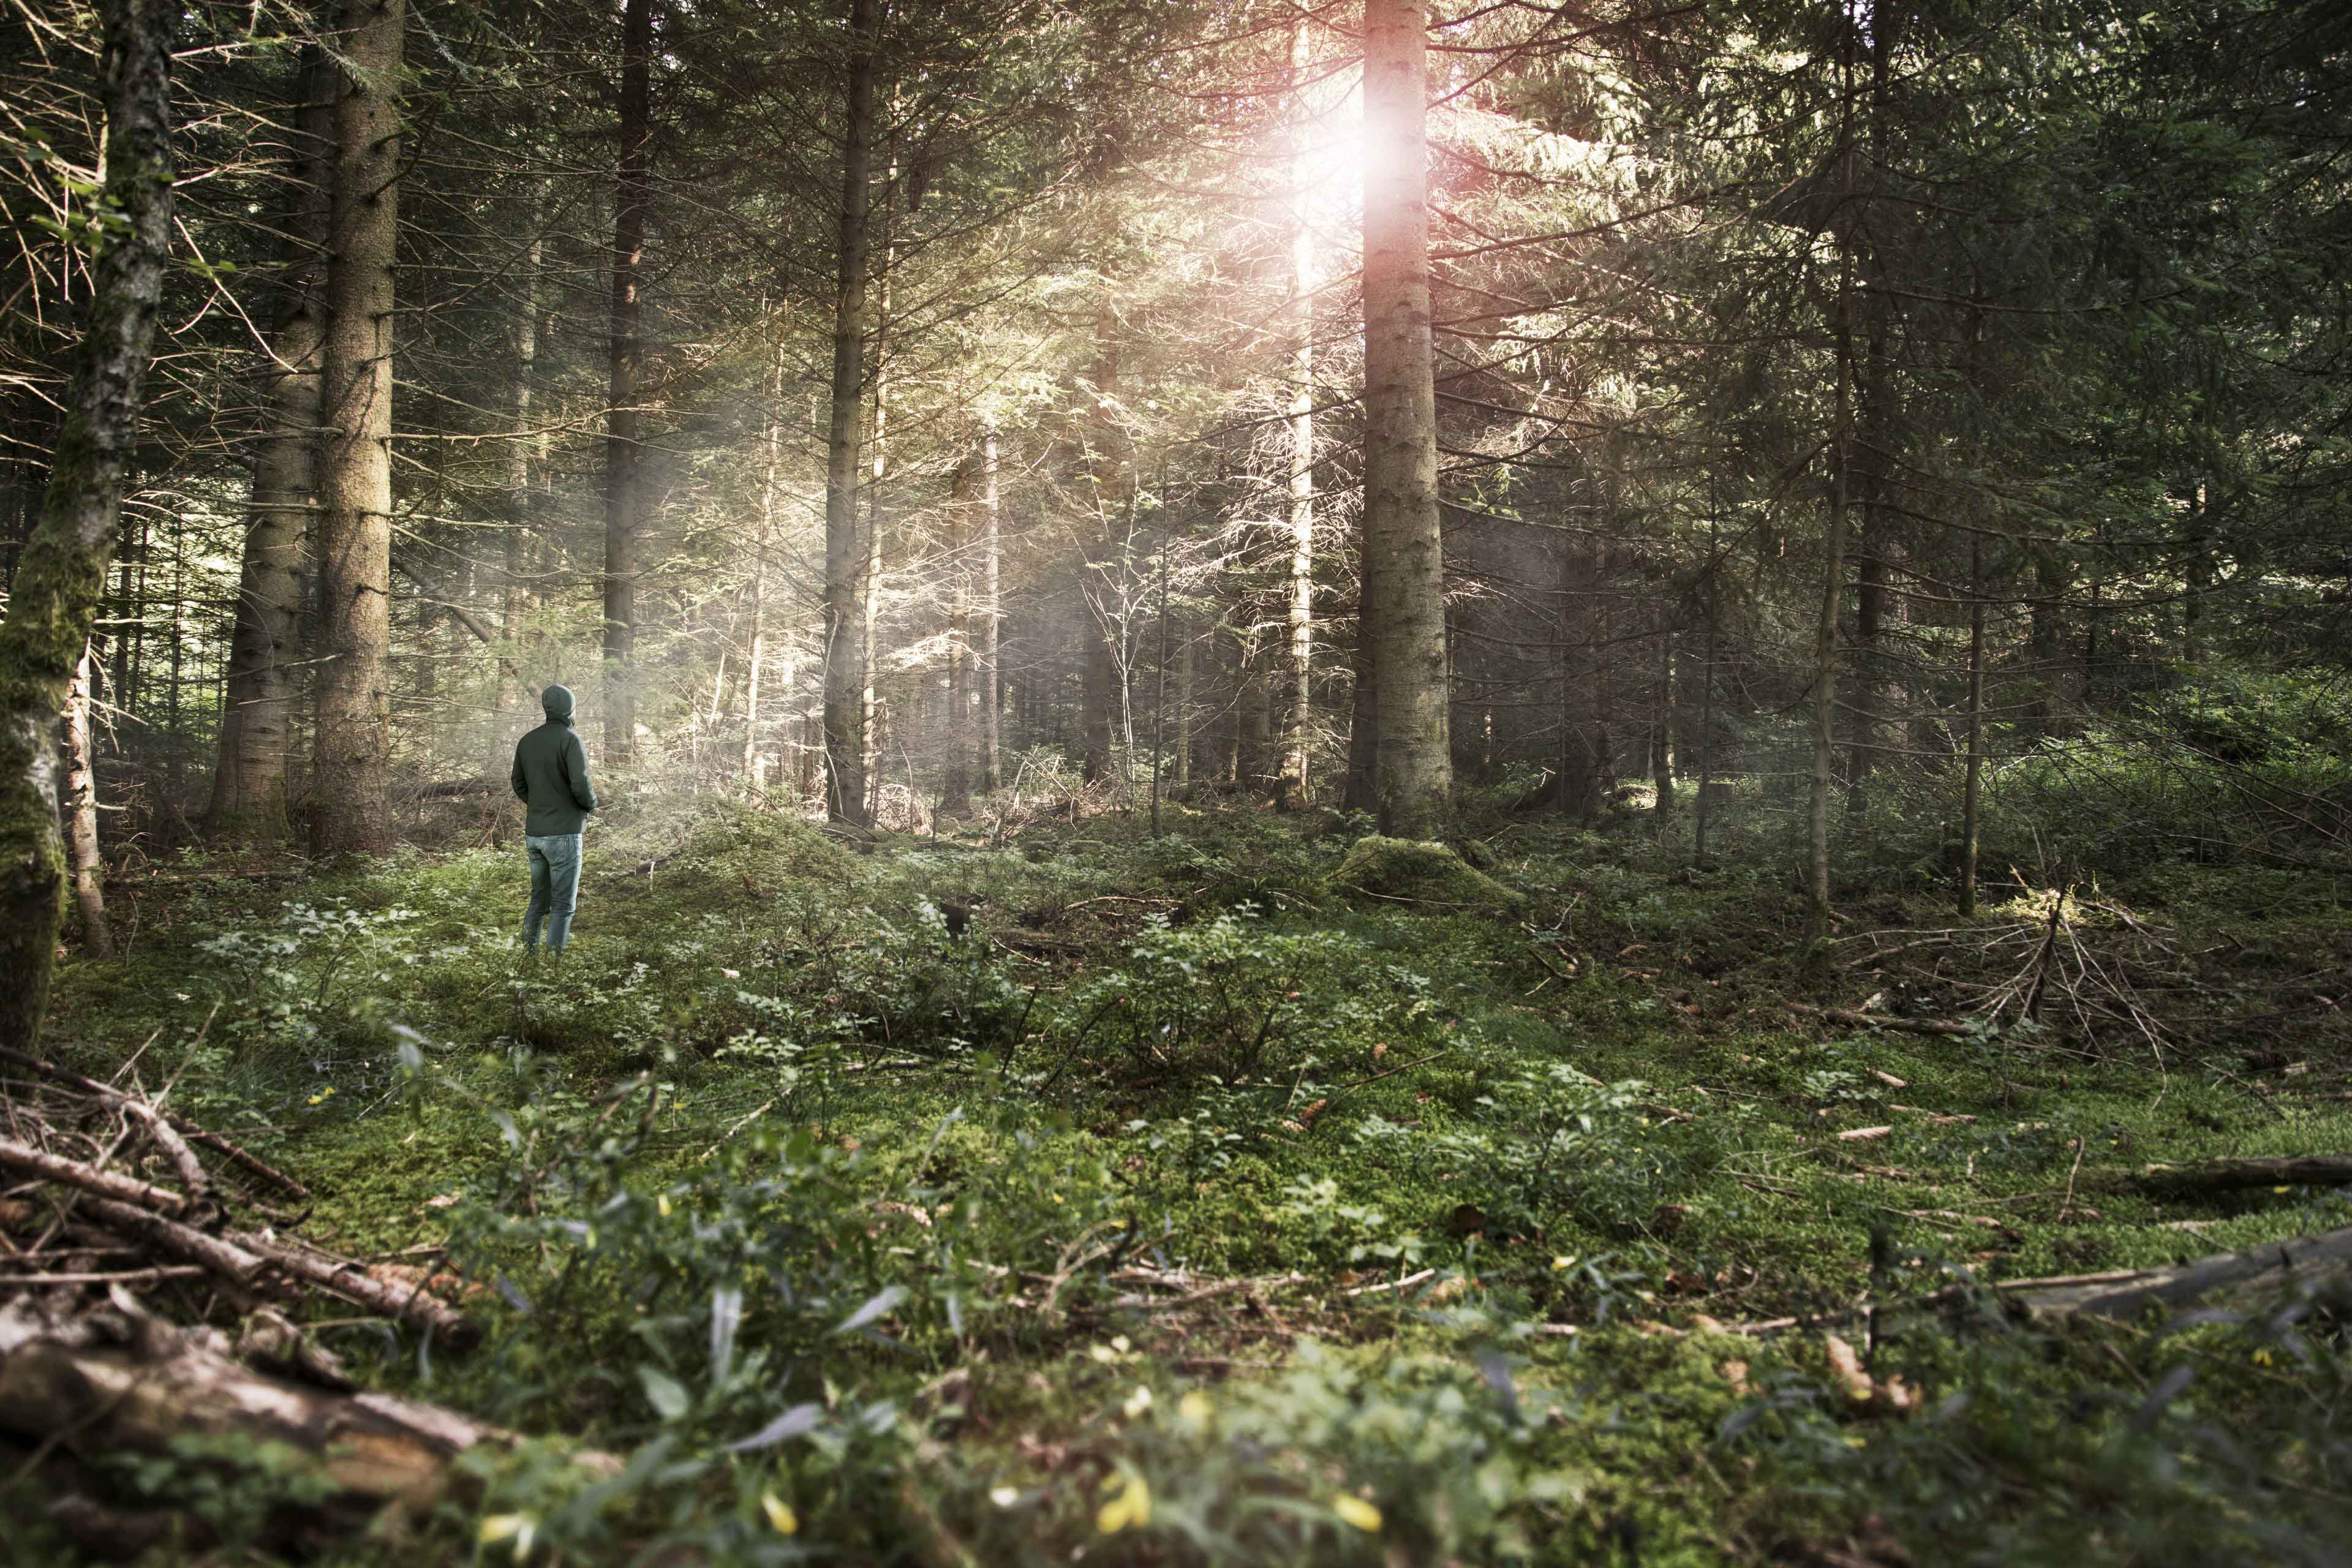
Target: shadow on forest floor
(1154, 1199)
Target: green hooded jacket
(550, 770)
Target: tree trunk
(1601, 743)
(175, 749)
(2197, 574)
(354, 729)
(1864, 717)
(1870, 457)
(1253, 716)
(130, 610)
(1182, 759)
(2053, 583)
(624, 423)
(955, 785)
(1582, 741)
(992, 775)
(249, 775)
(81, 816)
(757, 643)
(1363, 787)
(1706, 698)
(1833, 600)
(1662, 731)
(1108, 479)
(1298, 715)
(515, 597)
(845, 546)
(870, 705)
(61, 575)
(1405, 607)
(1098, 693)
(1826, 637)
(2094, 612)
(1972, 791)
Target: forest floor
(1109, 1197)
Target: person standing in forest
(551, 778)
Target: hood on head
(557, 701)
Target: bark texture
(1832, 599)
(1404, 603)
(515, 597)
(81, 816)
(846, 552)
(61, 575)
(1298, 715)
(1583, 743)
(623, 421)
(756, 651)
(250, 777)
(991, 774)
(1109, 481)
(955, 787)
(1973, 789)
(117, 1381)
(354, 733)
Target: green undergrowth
(824, 1179)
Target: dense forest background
(1001, 370)
(1148, 566)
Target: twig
(135, 1276)
(1407, 1283)
(739, 1126)
(48, 1167)
(213, 1140)
(1882, 1021)
(1408, 1066)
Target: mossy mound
(1412, 871)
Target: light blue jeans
(554, 888)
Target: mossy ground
(1598, 1112)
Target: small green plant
(1231, 997)
(238, 1489)
(1555, 1147)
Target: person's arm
(575, 774)
(515, 777)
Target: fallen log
(153, 1233)
(1882, 1021)
(2312, 1262)
(246, 1261)
(2230, 1175)
(412, 1305)
(165, 1227)
(131, 1105)
(103, 1382)
(47, 1167)
(2319, 1264)
(167, 1138)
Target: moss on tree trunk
(62, 574)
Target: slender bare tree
(992, 612)
(624, 417)
(81, 812)
(1298, 711)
